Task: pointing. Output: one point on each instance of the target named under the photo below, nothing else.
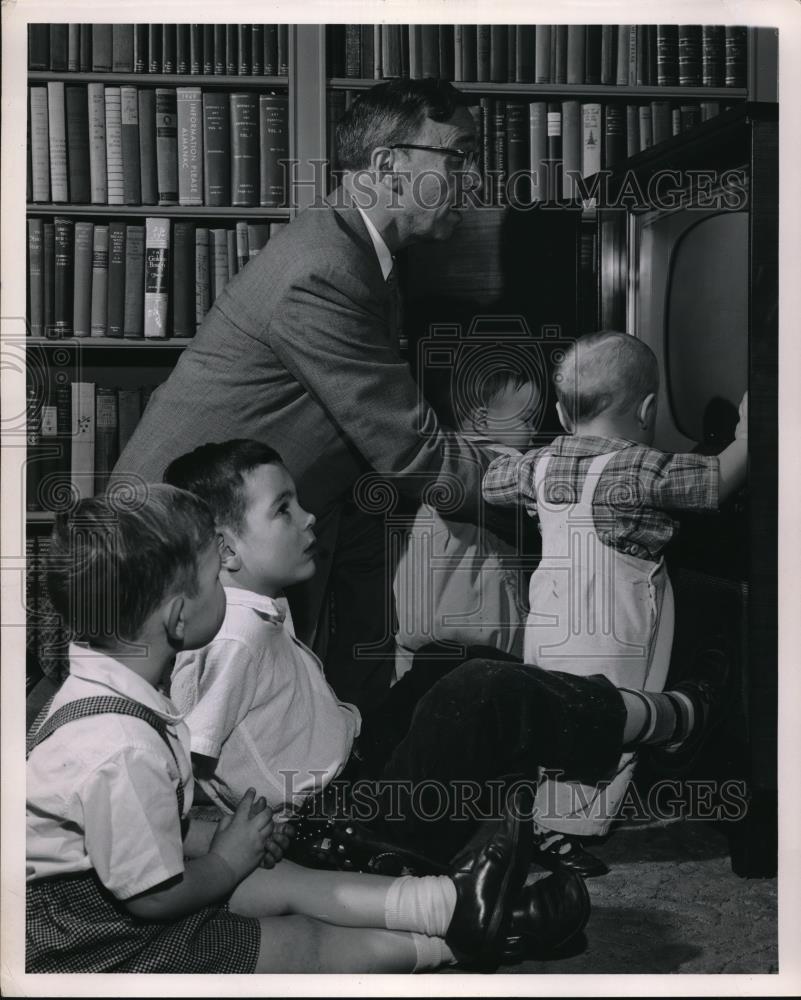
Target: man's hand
(741, 430)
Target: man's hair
(216, 472)
(392, 112)
(605, 371)
(116, 557)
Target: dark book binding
(122, 48)
(216, 149)
(101, 48)
(77, 109)
(689, 55)
(245, 149)
(115, 313)
(183, 280)
(64, 250)
(273, 149)
(148, 174)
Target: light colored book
(157, 274)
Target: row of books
(75, 435)
(588, 54)
(147, 281)
(45, 637)
(210, 49)
(532, 151)
(91, 143)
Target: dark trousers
(437, 754)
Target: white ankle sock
(432, 953)
(424, 905)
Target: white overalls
(593, 610)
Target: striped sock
(662, 718)
(685, 718)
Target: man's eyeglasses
(468, 157)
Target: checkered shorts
(74, 924)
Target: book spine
(49, 277)
(641, 56)
(571, 148)
(244, 149)
(667, 55)
(518, 181)
(231, 52)
(632, 130)
(446, 47)
(469, 52)
(554, 151)
(591, 139)
(709, 109)
(131, 165)
(353, 50)
(63, 276)
(166, 145)
(271, 49)
(74, 48)
(218, 244)
(487, 118)
(429, 38)
(29, 170)
(98, 179)
(202, 281)
(52, 449)
(511, 53)
(391, 50)
(106, 447)
(129, 410)
(39, 46)
(274, 149)
(182, 54)
(83, 439)
(86, 48)
(40, 144)
(57, 133)
(559, 50)
(141, 53)
(498, 163)
(634, 39)
(608, 54)
(148, 175)
(133, 321)
(257, 49)
(242, 251)
(592, 54)
(100, 282)
(35, 278)
(690, 116)
(154, 47)
(258, 234)
(689, 55)
(283, 50)
(499, 65)
(614, 135)
(115, 314)
(195, 49)
(713, 55)
(622, 62)
(168, 48)
(219, 49)
(458, 53)
(114, 171)
(484, 52)
(64, 428)
(101, 48)
(190, 146)
(157, 270)
(661, 123)
(122, 44)
(230, 237)
(208, 49)
(736, 47)
(576, 43)
(368, 52)
(646, 127)
(82, 281)
(78, 144)
(525, 53)
(245, 51)
(542, 53)
(59, 47)
(183, 280)
(216, 149)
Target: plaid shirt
(635, 491)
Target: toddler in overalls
(601, 600)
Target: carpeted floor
(671, 903)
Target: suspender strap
(83, 708)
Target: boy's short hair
(484, 372)
(216, 471)
(115, 558)
(607, 370)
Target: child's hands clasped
(243, 838)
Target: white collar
(275, 609)
(385, 258)
(99, 668)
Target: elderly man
(300, 351)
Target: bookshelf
(487, 267)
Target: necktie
(396, 331)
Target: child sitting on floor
(600, 600)
(119, 879)
(456, 581)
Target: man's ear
(646, 414)
(229, 550)
(382, 164)
(567, 424)
(173, 618)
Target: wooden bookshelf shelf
(162, 79)
(40, 516)
(165, 211)
(118, 343)
(566, 90)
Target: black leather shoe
(488, 877)
(548, 913)
(559, 853)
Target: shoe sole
(519, 947)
